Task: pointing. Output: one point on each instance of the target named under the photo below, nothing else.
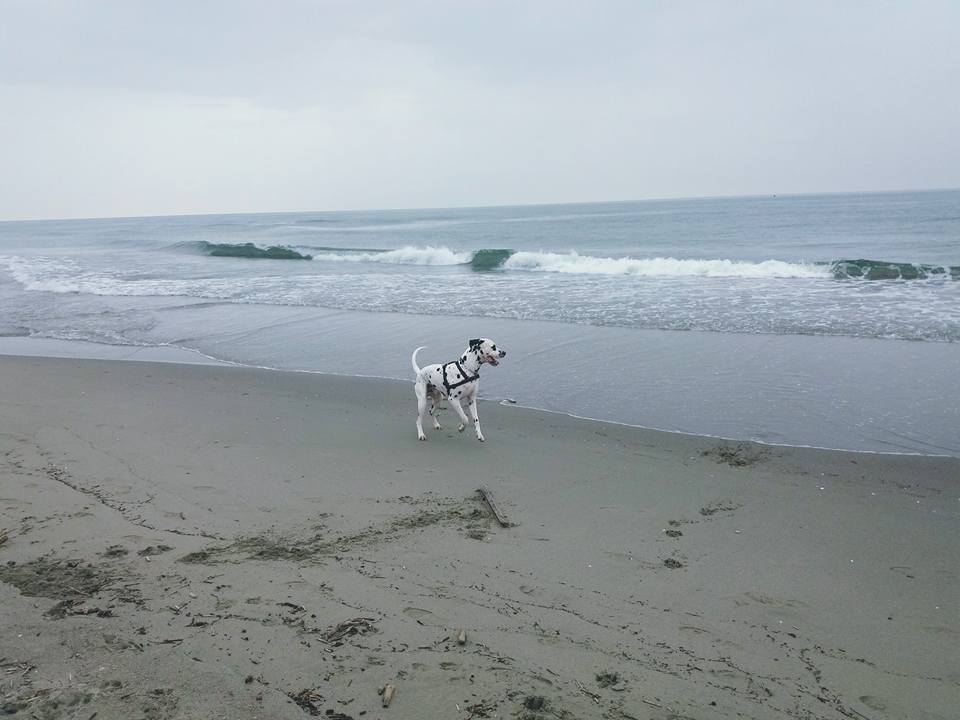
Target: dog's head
(487, 351)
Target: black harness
(466, 378)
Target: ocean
(821, 320)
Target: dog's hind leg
(420, 388)
(435, 407)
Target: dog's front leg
(475, 416)
(455, 402)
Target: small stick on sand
(592, 695)
(494, 508)
(388, 691)
(462, 637)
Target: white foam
(409, 255)
(63, 276)
(44, 274)
(573, 262)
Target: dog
(456, 380)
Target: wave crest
(410, 255)
(573, 262)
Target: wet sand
(206, 541)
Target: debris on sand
(487, 495)
(534, 702)
(606, 679)
(736, 455)
(388, 692)
(308, 700)
(482, 709)
(356, 626)
(673, 564)
(68, 581)
(589, 693)
(154, 550)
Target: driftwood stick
(494, 508)
(592, 695)
(388, 692)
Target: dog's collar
(465, 378)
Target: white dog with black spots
(456, 380)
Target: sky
(126, 107)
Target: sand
(220, 542)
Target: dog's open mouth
(492, 360)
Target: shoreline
(215, 540)
(82, 349)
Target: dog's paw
(422, 437)
(480, 438)
(461, 428)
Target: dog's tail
(413, 359)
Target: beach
(187, 541)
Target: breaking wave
(428, 255)
(37, 273)
(573, 262)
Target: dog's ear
(475, 343)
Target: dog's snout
(503, 353)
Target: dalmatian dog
(456, 380)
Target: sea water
(830, 320)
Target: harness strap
(466, 378)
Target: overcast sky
(142, 108)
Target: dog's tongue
(493, 361)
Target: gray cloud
(118, 108)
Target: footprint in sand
(874, 703)
(719, 506)
(425, 617)
(764, 599)
(692, 631)
(903, 570)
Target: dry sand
(216, 542)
